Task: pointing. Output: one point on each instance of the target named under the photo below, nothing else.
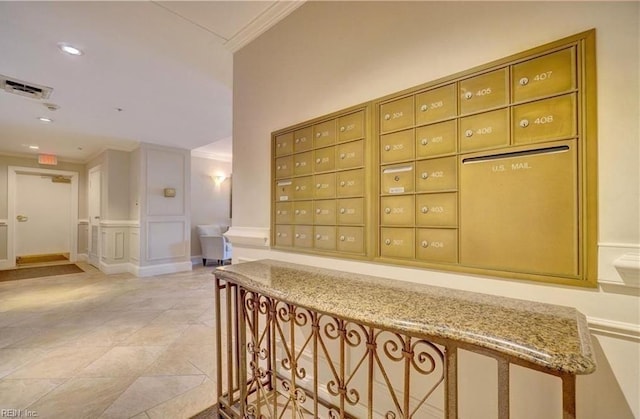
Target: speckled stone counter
(553, 337)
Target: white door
(43, 215)
(95, 176)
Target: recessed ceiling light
(69, 49)
(34, 147)
(45, 119)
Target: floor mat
(22, 260)
(26, 273)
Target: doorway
(95, 205)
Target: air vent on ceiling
(23, 88)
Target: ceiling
(153, 72)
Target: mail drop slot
(284, 167)
(350, 211)
(284, 213)
(303, 212)
(436, 104)
(324, 134)
(397, 210)
(324, 186)
(350, 155)
(303, 188)
(437, 139)
(303, 163)
(350, 183)
(284, 190)
(546, 75)
(284, 144)
(303, 139)
(397, 146)
(437, 245)
(351, 127)
(437, 210)
(436, 174)
(397, 242)
(397, 179)
(303, 236)
(324, 237)
(547, 119)
(350, 239)
(519, 209)
(284, 235)
(485, 130)
(324, 159)
(396, 115)
(324, 212)
(485, 91)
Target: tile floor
(89, 345)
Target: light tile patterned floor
(90, 345)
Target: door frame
(98, 250)
(13, 172)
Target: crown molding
(211, 156)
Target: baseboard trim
(165, 268)
(115, 268)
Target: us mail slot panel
(397, 179)
(547, 119)
(284, 167)
(350, 239)
(437, 210)
(284, 144)
(324, 159)
(485, 130)
(436, 174)
(324, 237)
(350, 211)
(284, 190)
(324, 134)
(303, 212)
(436, 139)
(303, 188)
(545, 75)
(284, 235)
(397, 146)
(485, 91)
(397, 242)
(350, 155)
(303, 139)
(350, 183)
(324, 212)
(284, 213)
(396, 115)
(397, 210)
(325, 186)
(303, 163)
(351, 127)
(436, 104)
(437, 245)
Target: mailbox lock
(468, 133)
(425, 175)
(297, 164)
(424, 243)
(524, 81)
(524, 123)
(318, 236)
(278, 212)
(318, 160)
(387, 242)
(396, 178)
(318, 186)
(297, 188)
(318, 211)
(279, 168)
(342, 129)
(468, 95)
(342, 210)
(387, 147)
(318, 135)
(343, 183)
(297, 235)
(424, 141)
(278, 145)
(424, 210)
(342, 238)
(387, 210)
(424, 108)
(297, 212)
(387, 117)
(297, 140)
(342, 156)
(279, 234)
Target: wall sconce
(169, 192)
(218, 179)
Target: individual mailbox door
(303, 163)
(324, 159)
(303, 212)
(397, 242)
(396, 115)
(303, 188)
(303, 236)
(284, 235)
(284, 213)
(284, 190)
(397, 210)
(437, 245)
(546, 75)
(485, 91)
(547, 119)
(303, 139)
(351, 127)
(325, 186)
(397, 146)
(284, 167)
(350, 239)
(519, 209)
(324, 212)
(350, 155)
(350, 183)
(350, 211)
(436, 104)
(397, 179)
(436, 174)
(437, 210)
(485, 130)
(324, 134)
(284, 144)
(324, 238)
(437, 139)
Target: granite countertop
(550, 336)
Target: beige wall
(330, 55)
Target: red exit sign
(47, 159)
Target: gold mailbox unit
(490, 171)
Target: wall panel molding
(622, 330)
(619, 264)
